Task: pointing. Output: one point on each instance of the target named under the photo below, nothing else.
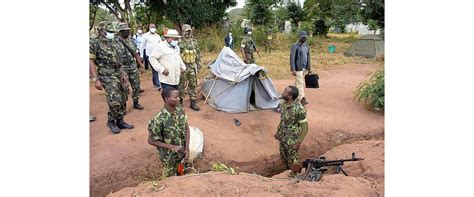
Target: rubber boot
(137, 105)
(123, 125)
(113, 126)
(194, 106)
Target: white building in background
(361, 29)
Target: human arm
(242, 48)
(155, 128)
(302, 121)
(293, 59)
(309, 59)
(154, 57)
(142, 46)
(186, 149)
(92, 67)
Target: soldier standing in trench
(293, 126)
(169, 132)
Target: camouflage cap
(106, 25)
(123, 26)
(186, 27)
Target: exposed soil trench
(124, 160)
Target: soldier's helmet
(107, 26)
(247, 30)
(186, 28)
(122, 27)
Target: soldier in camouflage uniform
(248, 46)
(169, 132)
(131, 57)
(292, 128)
(191, 57)
(107, 73)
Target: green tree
(122, 11)
(295, 13)
(260, 11)
(345, 12)
(194, 12)
(320, 12)
(373, 11)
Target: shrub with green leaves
(372, 91)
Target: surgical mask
(174, 43)
(109, 35)
(152, 30)
(139, 31)
(250, 33)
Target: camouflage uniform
(108, 58)
(248, 45)
(268, 43)
(131, 69)
(190, 54)
(289, 131)
(169, 128)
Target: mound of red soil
(365, 179)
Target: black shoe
(194, 106)
(303, 101)
(123, 125)
(113, 126)
(137, 105)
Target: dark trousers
(155, 77)
(164, 85)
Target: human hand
(176, 149)
(186, 155)
(166, 72)
(296, 146)
(98, 85)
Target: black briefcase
(311, 80)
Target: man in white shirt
(166, 59)
(150, 41)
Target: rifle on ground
(317, 166)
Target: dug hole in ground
(127, 160)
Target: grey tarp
(235, 86)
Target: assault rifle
(316, 167)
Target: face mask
(139, 31)
(125, 34)
(174, 43)
(250, 33)
(109, 35)
(152, 30)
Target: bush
(372, 91)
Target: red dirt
(365, 179)
(126, 159)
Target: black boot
(123, 125)
(113, 126)
(194, 106)
(137, 105)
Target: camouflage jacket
(190, 44)
(248, 44)
(107, 55)
(130, 64)
(168, 128)
(291, 117)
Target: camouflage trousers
(170, 165)
(288, 154)
(134, 80)
(116, 95)
(188, 80)
(249, 59)
(268, 46)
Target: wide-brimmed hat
(303, 34)
(172, 33)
